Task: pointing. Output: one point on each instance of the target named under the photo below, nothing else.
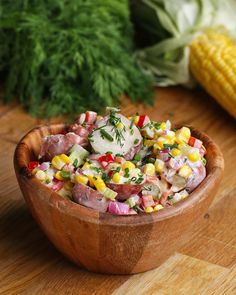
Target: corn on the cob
(213, 64)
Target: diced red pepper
(32, 165)
(105, 160)
(143, 120)
(194, 142)
(110, 173)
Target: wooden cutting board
(206, 263)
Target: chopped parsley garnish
(76, 163)
(136, 141)
(65, 174)
(126, 175)
(48, 181)
(138, 209)
(170, 197)
(106, 135)
(149, 160)
(105, 177)
(131, 124)
(204, 161)
(170, 156)
(157, 125)
(97, 169)
(137, 157)
(147, 188)
(170, 146)
(140, 179)
(119, 155)
(118, 169)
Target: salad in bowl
(121, 165)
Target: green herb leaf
(170, 146)
(65, 174)
(76, 163)
(106, 135)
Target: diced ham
(194, 142)
(198, 174)
(81, 118)
(148, 201)
(86, 196)
(90, 117)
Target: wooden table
(206, 263)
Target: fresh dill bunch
(64, 57)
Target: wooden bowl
(106, 243)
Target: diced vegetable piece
(128, 165)
(185, 171)
(79, 153)
(109, 194)
(158, 207)
(148, 201)
(159, 165)
(116, 177)
(99, 184)
(143, 120)
(149, 169)
(90, 117)
(194, 156)
(148, 209)
(118, 208)
(183, 135)
(81, 179)
(32, 165)
(194, 142)
(41, 175)
(57, 162)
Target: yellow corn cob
(212, 62)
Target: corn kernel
(156, 148)
(149, 169)
(160, 141)
(175, 152)
(57, 162)
(194, 156)
(128, 165)
(149, 142)
(116, 177)
(120, 125)
(58, 175)
(136, 119)
(99, 184)
(158, 207)
(181, 145)
(185, 171)
(68, 185)
(148, 209)
(159, 165)
(41, 175)
(170, 134)
(86, 166)
(65, 158)
(90, 177)
(163, 126)
(183, 135)
(81, 179)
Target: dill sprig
(60, 57)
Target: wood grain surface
(206, 262)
